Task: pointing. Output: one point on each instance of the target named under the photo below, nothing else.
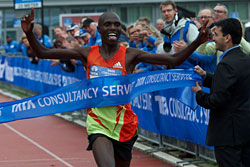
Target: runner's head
(109, 26)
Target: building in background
(128, 10)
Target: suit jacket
(228, 101)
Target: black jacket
(229, 100)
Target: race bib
(98, 71)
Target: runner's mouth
(112, 36)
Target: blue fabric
(11, 47)
(145, 67)
(176, 37)
(162, 100)
(132, 44)
(139, 45)
(206, 62)
(23, 49)
(47, 42)
(152, 40)
(95, 41)
(98, 92)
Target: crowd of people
(175, 42)
(171, 34)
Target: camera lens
(167, 46)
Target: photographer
(136, 38)
(148, 36)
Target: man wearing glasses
(206, 15)
(179, 31)
(221, 12)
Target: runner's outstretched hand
(27, 22)
(204, 33)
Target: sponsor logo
(118, 65)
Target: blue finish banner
(164, 112)
(41, 77)
(97, 92)
(162, 100)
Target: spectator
(159, 24)
(143, 21)
(82, 20)
(44, 39)
(178, 31)
(132, 34)
(72, 29)
(136, 37)
(21, 47)
(209, 48)
(11, 46)
(229, 101)
(85, 37)
(59, 32)
(29, 52)
(91, 27)
(78, 38)
(206, 15)
(206, 61)
(221, 12)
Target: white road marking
(39, 146)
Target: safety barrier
(162, 115)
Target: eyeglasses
(219, 11)
(205, 17)
(167, 10)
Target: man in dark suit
(229, 98)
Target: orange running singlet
(117, 122)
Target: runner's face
(110, 29)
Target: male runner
(112, 130)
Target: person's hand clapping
(179, 45)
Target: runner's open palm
(28, 22)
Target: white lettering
(26, 105)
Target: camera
(141, 36)
(167, 46)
